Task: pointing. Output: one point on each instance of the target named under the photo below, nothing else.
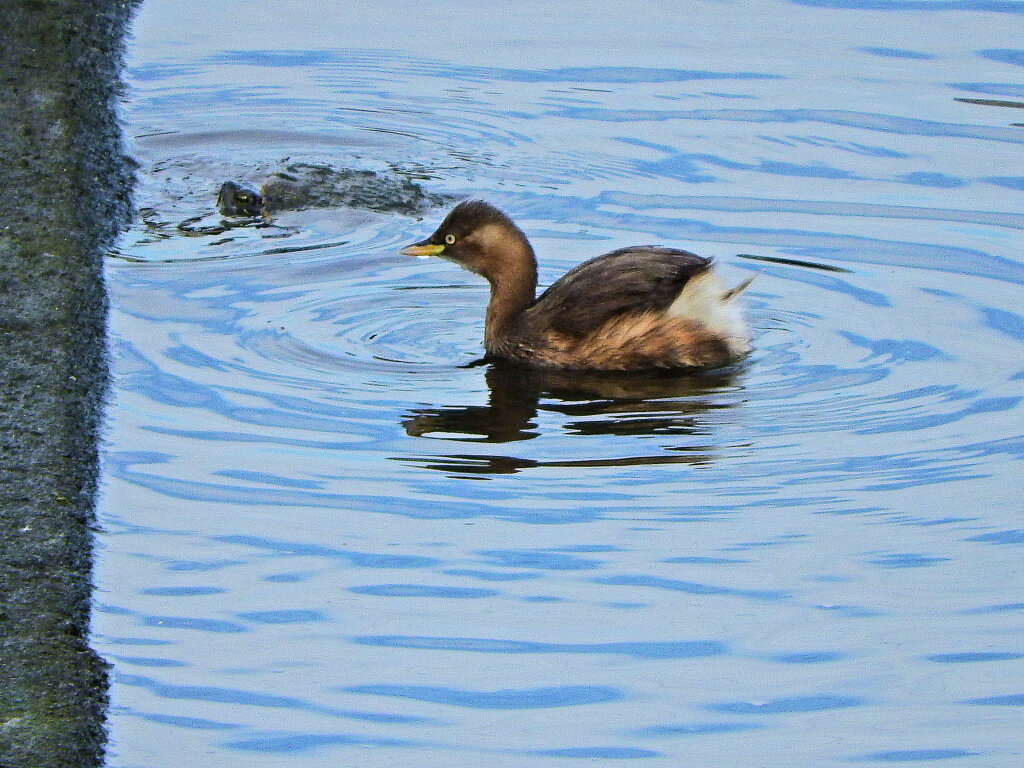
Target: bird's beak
(423, 248)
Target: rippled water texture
(328, 539)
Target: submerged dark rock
(308, 185)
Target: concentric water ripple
(326, 338)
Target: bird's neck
(513, 280)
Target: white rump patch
(704, 302)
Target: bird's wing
(638, 279)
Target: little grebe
(632, 309)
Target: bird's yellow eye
(450, 239)
(243, 198)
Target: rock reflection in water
(596, 403)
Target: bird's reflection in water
(594, 404)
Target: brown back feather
(626, 281)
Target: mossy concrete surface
(64, 194)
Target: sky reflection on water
(329, 534)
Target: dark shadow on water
(793, 262)
(592, 404)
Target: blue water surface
(330, 540)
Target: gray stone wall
(64, 194)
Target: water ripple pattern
(330, 535)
